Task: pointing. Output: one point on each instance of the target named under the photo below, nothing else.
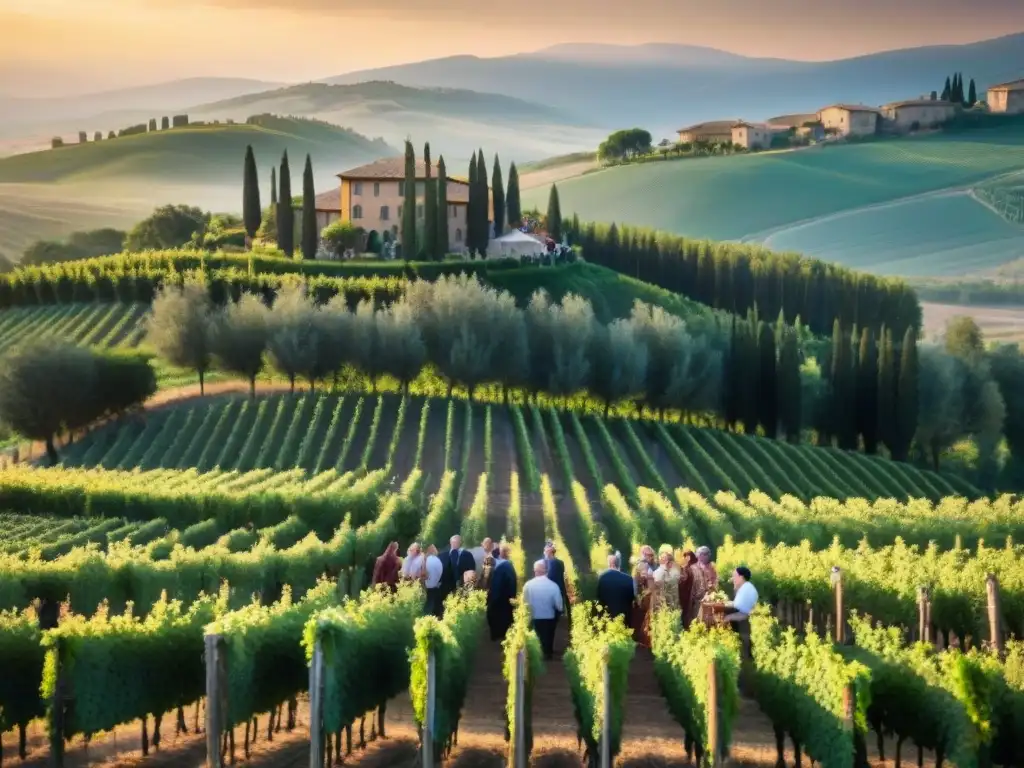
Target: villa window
(357, 188)
(400, 211)
(419, 211)
(385, 214)
(376, 189)
(454, 209)
(357, 211)
(458, 235)
(401, 191)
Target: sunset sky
(57, 47)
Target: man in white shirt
(743, 603)
(544, 599)
(412, 568)
(433, 570)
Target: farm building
(917, 113)
(1008, 97)
(849, 119)
(372, 197)
(328, 208)
(805, 124)
(714, 132)
(753, 135)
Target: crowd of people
(657, 582)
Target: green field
(196, 154)
(748, 196)
(944, 234)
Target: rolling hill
(783, 198)
(662, 87)
(196, 153)
(457, 121)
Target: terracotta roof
(714, 126)
(918, 103)
(793, 121)
(851, 108)
(759, 126)
(329, 201)
(1015, 85)
(390, 168)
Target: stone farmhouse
(849, 119)
(372, 197)
(714, 132)
(917, 113)
(1007, 98)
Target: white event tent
(515, 244)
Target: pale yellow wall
(925, 115)
(1011, 102)
(848, 123)
(363, 203)
(751, 137)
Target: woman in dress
(666, 580)
(705, 580)
(643, 581)
(686, 588)
(387, 567)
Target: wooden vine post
(316, 707)
(714, 746)
(837, 589)
(214, 714)
(57, 711)
(428, 720)
(924, 614)
(518, 732)
(606, 716)
(995, 630)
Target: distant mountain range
(558, 99)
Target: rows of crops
(316, 432)
(101, 325)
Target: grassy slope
(945, 234)
(192, 154)
(734, 197)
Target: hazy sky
(88, 45)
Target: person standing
(456, 562)
(743, 603)
(500, 594)
(387, 567)
(616, 591)
(545, 602)
(687, 607)
(556, 572)
(412, 567)
(433, 573)
(643, 581)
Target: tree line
(49, 388)
(737, 278)
(954, 91)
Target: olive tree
(572, 328)
(618, 363)
(402, 349)
(292, 338)
(180, 326)
(240, 335)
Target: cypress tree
(409, 205)
(906, 397)
(733, 378)
(483, 231)
(498, 195)
(789, 384)
(429, 245)
(285, 214)
(472, 216)
(768, 405)
(972, 94)
(958, 88)
(310, 235)
(750, 374)
(843, 392)
(947, 91)
(554, 215)
(273, 187)
(512, 204)
(867, 391)
(251, 210)
(441, 234)
(886, 416)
